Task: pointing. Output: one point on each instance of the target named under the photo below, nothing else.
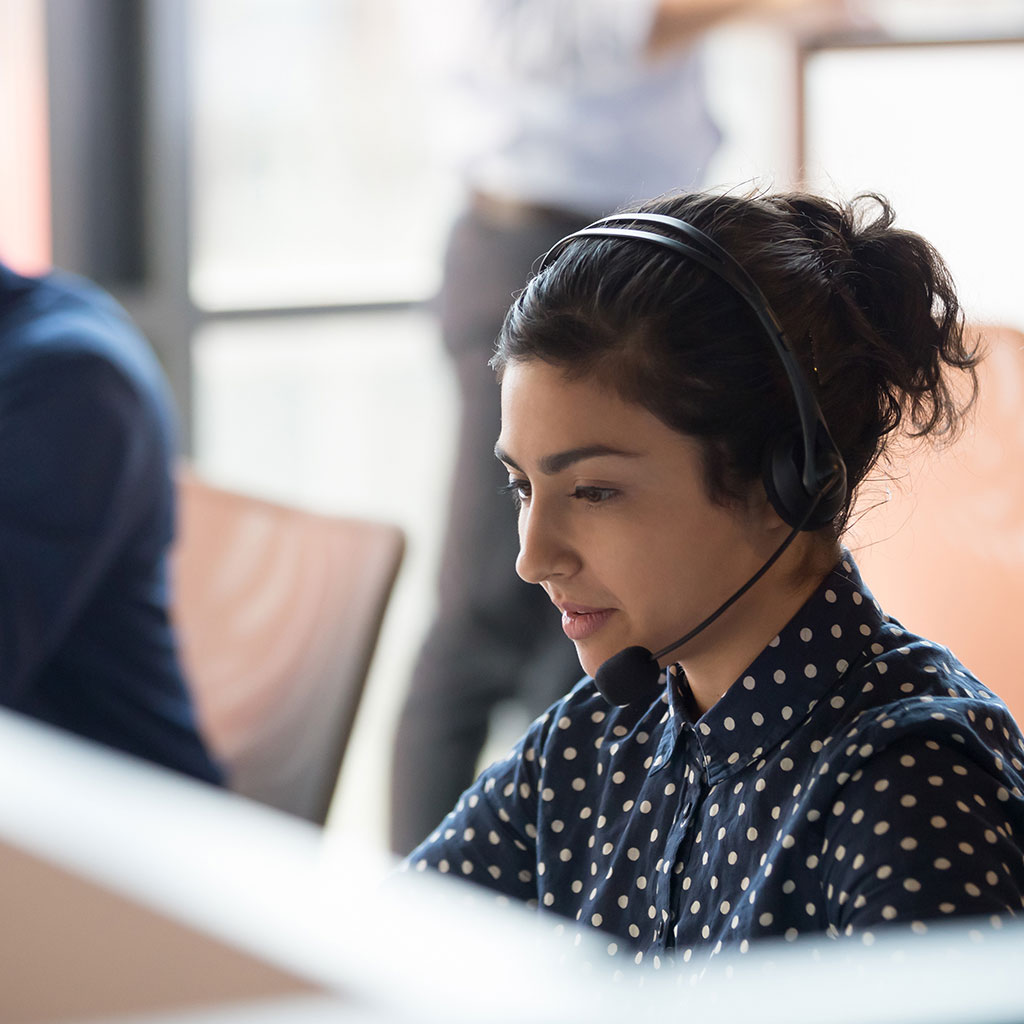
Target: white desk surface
(130, 894)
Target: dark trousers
(496, 638)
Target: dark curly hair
(869, 309)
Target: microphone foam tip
(630, 676)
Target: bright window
(937, 129)
(309, 182)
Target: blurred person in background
(86, 521)
(557, 111)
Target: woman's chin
(588, 663)
(591, 660)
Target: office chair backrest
(278, 611)
(945, 553)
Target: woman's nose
(545, 551)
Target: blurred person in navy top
(86, 520)
(692, 392)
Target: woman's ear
(763, 514)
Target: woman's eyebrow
(558, 461)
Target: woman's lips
(579, 623)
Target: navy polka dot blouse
(853, 776)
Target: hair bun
(830, 227)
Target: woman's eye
(519, 491)
(594, 495)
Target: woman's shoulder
(911, 688)
(911, 671)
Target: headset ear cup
(782, 472)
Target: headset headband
(822, 462)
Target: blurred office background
(254, 180)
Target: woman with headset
(691, 394)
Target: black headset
(803, 472)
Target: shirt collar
(797, 669)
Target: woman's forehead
(542, 381)
(535, 391)
(545, 411)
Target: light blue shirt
(557, 102)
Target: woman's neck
(717, 658)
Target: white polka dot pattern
(855, 776)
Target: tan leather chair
(278, 612)
(945, 553)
